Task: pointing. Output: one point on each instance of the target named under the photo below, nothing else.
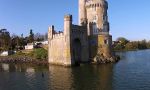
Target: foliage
(31, 37)
(131, 46)
(15, 42)
(4, 39)
(122, 40)
(124, 44)
(20, 53)
(40, 54)
(18, 42)
(118, 47)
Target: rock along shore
(22, 59)
(99, 59)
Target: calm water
(131, 73)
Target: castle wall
(105, 43)
(80, 32)
(101, 44)
(56, 49)
(62, 46)
(59, 44)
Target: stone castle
(89, 41)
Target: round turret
(97, 14)
(82, 12)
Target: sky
(128, 18)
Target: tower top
(68, 17)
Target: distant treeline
(123, 44)
(15, 42)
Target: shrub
(40, 53)
(19, 53)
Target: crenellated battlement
(58, 35)
(94, 4)
(52, 33)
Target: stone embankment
(21, 60)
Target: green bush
(19, 53)
(40, 54)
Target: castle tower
(50, 37)
(96, 11)
(100, 41)
(67, 34)
(82, 12)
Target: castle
(86, 42)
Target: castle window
(95, 18)
(106, 42)
(94, 28)
(95, 7)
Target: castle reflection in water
(56, 77)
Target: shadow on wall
(77, 49)
(100, 43)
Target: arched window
(95, 18)
(106, 41)
(94, 28)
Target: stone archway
(77, 50)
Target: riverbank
(130, 50)
(22, 59)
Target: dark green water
(132, 72)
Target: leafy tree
(143, 44)
(18, 42)
(31, 36)
(148, 44)
(131, 46)
(124, 44)
(38, 37)
(118, 47)
(123, 40)
(5, 39)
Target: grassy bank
(35, 56)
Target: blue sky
(128, 18)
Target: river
(132, 72)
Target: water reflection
(5, 67)
(93, 77)
(130, 73)
(60, 78)
(86, 77)
(81, 78)
(1, 67)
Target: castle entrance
(77, 50)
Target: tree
(143, 44)
(46, 36)
(123, 40)
(131, 46)
(5, 39)
(18, 42)
(38, 37)
(118, 47)
(31, 37)
(148, 44)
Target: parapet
(98, 3)
(58, 35)
(53, 34)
